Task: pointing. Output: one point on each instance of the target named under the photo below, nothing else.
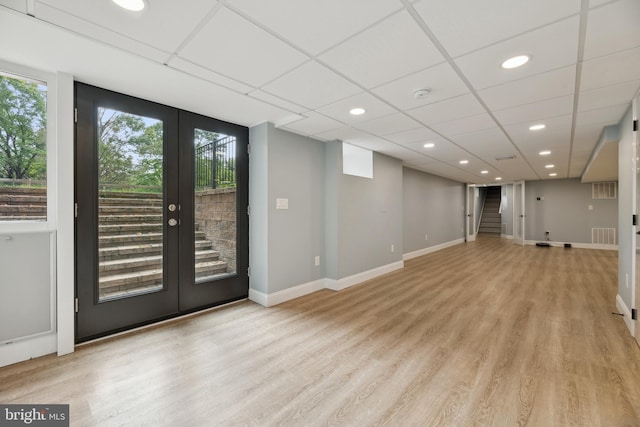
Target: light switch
(590, 207)
(282, 203)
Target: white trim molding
(269, 300)
(506, 236)
(622, 307)
(425, 251)
(346, 282)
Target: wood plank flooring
(484, 333)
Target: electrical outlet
(393, 248)
(317, 260)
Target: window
(23, 149)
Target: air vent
(604, 190)
(603, 236)
(506, 158)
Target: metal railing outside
(215, 165)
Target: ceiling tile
(556, 134)
(441, 79)
(19, 5)
(531, 89)
(305, 23)
(607, 96)
(610, 70)
(483, 67)
(388, 125)
(163, 26)
(450, 109)
(465, 125)
(389, 50)
(612, 28)
(274, 100)
(601, 116)
(206, 74)
(313, 123)
(101, 33)
(485, 142)
(238, 56)
(535, 111)
(373, 106)
(296, 86)
(421, 135)
(463, 25)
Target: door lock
(172, 207)
(173, 222)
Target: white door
(470, 213)
(635, 290)
(518, 213)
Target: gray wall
(433, 206)
(366, 215)
(284, 243)
(564, 212)
(626, 208)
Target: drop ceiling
(303, 64)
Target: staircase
(22, 203)
(491, 221)
(130, 238)
(130, 245)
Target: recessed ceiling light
(464, 162)
(553, 174)
(132, 5)
(537, 127)
(429, 145)
(516, 61)
(484, 172)
(498, 178)
(545, 153)
(357, 111)
(549, 166)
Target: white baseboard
(431, 249)
(507, 236)
(622, 307)
(577, 245)
(269, 300)
(346, 282)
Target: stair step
(111, 240)
(148, 249)
(129, 210)
(31, 191)
(22, 209)
(112, 201)
(22, 218)
(128, 195)
(128, 229)
(131, 219)
(21, 199)
(152, 262)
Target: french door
(162, 225)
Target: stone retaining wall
(215, 212)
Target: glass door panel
(215, 205)
(130, 204)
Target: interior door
(159, 229)
(519, 216)
(470, 214)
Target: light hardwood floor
(484, 333)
